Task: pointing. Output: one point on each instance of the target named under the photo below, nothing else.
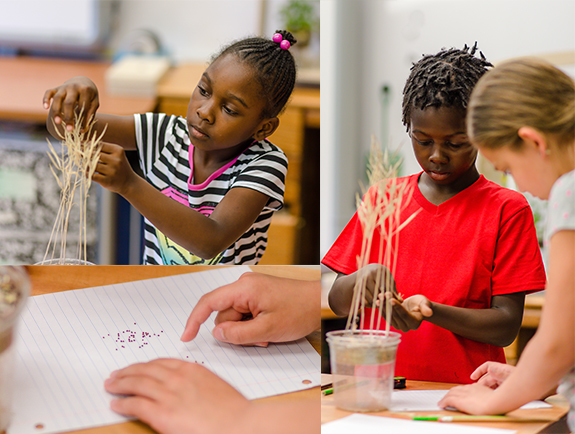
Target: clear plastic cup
(362, 366)
(14, 290)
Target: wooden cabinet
(293, 236)
(298, 136)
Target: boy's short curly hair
(443, 79)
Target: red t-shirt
(478, 244)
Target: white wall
(392, 34)
(340, 111)
(193, 30)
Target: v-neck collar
(432, 208)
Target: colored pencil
(473, 418)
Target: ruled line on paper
(68, 343)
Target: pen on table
(399, 383)
(327, 389)
(473, 418)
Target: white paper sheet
(364, 424)
(68, 343)
(426, 400)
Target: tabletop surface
(23, 81)
(46, 279)
(330, 412)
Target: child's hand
(471, 398)
(280, 310)
(408, 314)
(113, 171)
(372, 274)
(173, 396)
(492, 374)
(69, 98)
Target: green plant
(299, 15)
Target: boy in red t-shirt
(470, 254)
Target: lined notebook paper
(426, 400)
(68, 343)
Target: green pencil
(472, 418)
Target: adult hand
(78, 93)
(471, 398)
(492, 374)
(257, 309)
(177, 397)
(409, 313)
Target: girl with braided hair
(212, 180)
(469, 255)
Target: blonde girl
(521, 116)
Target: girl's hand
(492, 374)
(471, 398)
(177, 397)
(409, 313)
(113, 171)
(68, 99)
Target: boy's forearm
(492, 326)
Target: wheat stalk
(379, 208)
(73, 168)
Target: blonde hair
(518, 93)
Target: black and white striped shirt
(165, 158)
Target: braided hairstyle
(443, 79)
(274, 67)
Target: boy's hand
(69, 98)
(113, 171)
(372, 274)
(409, 314)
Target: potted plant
(300, 18)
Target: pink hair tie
(278, 39)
